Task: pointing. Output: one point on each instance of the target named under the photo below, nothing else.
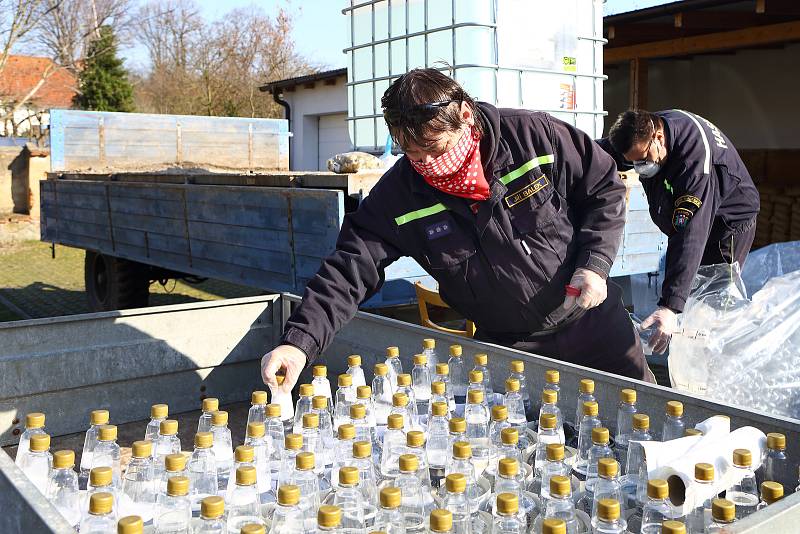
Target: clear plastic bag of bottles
(742, 350)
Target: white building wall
(307, 105)
(751, 95)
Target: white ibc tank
(537, 54)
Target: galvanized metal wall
(124, 361)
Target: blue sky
(320, 29)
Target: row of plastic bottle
(328, 437)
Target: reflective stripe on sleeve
(535, 162)
(419, 214)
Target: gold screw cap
(657, 489)
(551, 376)
(457, 425)
(362, 449)
(256, 429)
(723, 510)
(771, 491)
(509, 436)
(392, 352)
(212, 507)
(210, 404)
(608, 509)
(346, 431)
(442, 369)
(428, 343)
(408, 463)
(590, 408)
(40, 442)
(547, 421)
(456, 351)
(63, 459)
(353, 360)
(304, 461)
(555, 452)
(507, 503)
(587, 386)
(204, 440)
(512, 384)
(441, 520)
(456, 483)
(607, 467)
(390, 497)
(99, 417)
(600, 435)
(319, 371)
(517, 366)
(363, 392)
(675, 408)
(175, 462)
(245, 454)
(439, 409)
(131, 524)
(142, 449)
(288, 495)
(742, 458)
(673, 527)
(101, 503)
(177, 486)
(399, 400)
(109, 432)
(499, 412)
(381, 369)
(395, 421)
(34, 420)
(559, 485)
(293, 442)
(554, 526)
(311, 420)
(481, 359)
(167, 427)
(100, 477)
(549, 396)
(462, 450)
(628, 396)
(420, 359)
(508, 467)
(704, 472)
(348, 475)
(358, 411)
(329, 516)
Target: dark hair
(632, 126)
(424, 86)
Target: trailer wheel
(114, 283)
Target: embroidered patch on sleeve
(681, 218)
(437, 230)
(688, 200)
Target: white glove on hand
(666, 323)
(286, 357)
(593, 290)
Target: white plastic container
(545, 55)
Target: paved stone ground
(37, 285)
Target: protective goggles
(416, 114)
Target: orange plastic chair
(429, 297)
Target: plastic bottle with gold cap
(458, 373)
(174, 509)
(246, 455)
(326, 431)
(674, 426)
(158, 412)
(212, 516)
(552, 380)
(287, 516)
(243, 504)
(509, 479)
(609, 517)
(223, 448)
(744, 494)
(138, 492)
(590, 420)
(554, 466)
(585, 394)
(498, 423)
(775, 460)
(625, 410)
(723, 513)
(600, 449)
(461, 462)
(368, 478)
(107, 453)
(202, 469)
(174, 466)
(417, 500)
(358, 418)
(258, 407)
(415, 444)
(344, 397)
(329, 519)
(343, 449)
(438, 394)
(404, 385)
(517, 370)
(547, 433)
(304, 477)
(507, 448)
(101, 516)
(771, 492)
(131, 524)
(208, 406)
(607, 485)
(96, 418)
(559, 503)
(507, 517)
(481, 364)
(457, 503)
(550, 405)
(393, 364)
(515, 404)
(475, 382)
(166, 443)
(267, 449)
(442, 374)
(350, 500)
(382, 391)
(636, 467)
(364, 396)
(321, 384)
(389, 518)
(657, 509)
(476, 415)
(437, 445)
(421, 382)
(100, 480)
(354, 370)
(394, 442)
(700, 517)
(305, 404)
(34, 424)
(62, 487)
(429, 350)
(312, 442)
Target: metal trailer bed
(125, 361)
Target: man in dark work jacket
(504, 208)
(700, 194)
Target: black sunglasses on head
(415, 114)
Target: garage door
(333, 137)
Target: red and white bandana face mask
(458, 171)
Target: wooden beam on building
(637, 98)
(699, 44)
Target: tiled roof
(22, 73)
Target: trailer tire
(114, 283)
